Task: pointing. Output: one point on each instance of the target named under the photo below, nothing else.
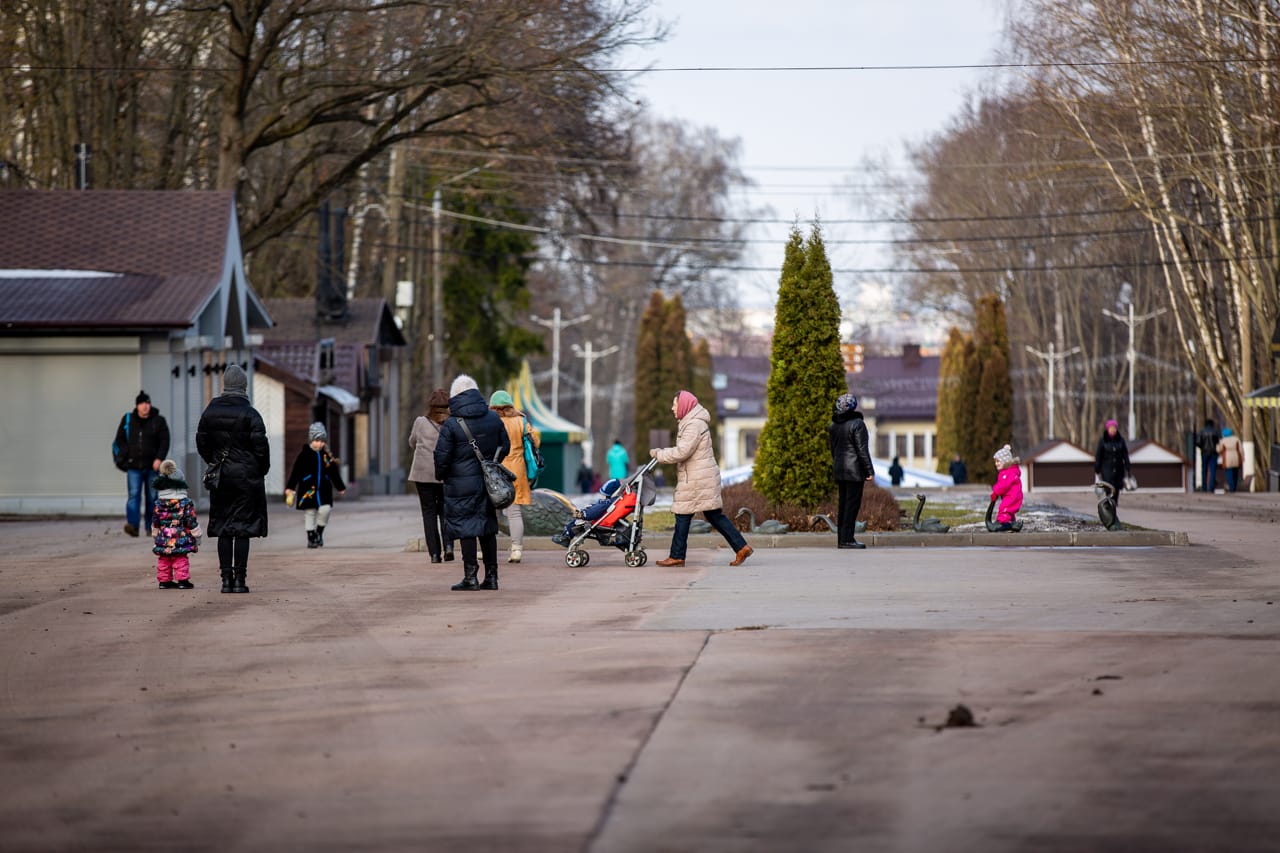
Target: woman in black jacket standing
(231, 430)
(851, 466)
(1111, 459)
(468, 514)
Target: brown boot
(741, 556)
(670, 562)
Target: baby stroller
(616, 527)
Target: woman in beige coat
(517, 424)
(1231, 458)
(422, 473)
(697, 481)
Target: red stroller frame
(612, 528)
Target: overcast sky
(803, 133)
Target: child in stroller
(608, 520)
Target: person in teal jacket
(617, 460)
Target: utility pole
(437, 284)
(590, 357)
(1053, 359)
(1132, 322)
(556, 324)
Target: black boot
(490, 577)
(226, 580)
(319, 536)
(238, 585)
(468, 582)
(448, 552)
(311, 539)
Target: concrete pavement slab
(1126, 696)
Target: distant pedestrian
(585, 477)
(177, 529)
(1111, 459)
(232, 434)
(1207, 440)
(422, 473)
(850, 465)
(1231, 457)
(697, 481)
(315, 476)
(142, 443)
(618, 460)
(959, 473)
(469, 515)
(895, 472)
(1007, 488)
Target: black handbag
(499, 482)
(212, 477)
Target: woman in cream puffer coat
(697, 481)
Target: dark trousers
(1208, 471)
(849, 506)
(233, 552)
(488, 550)
(718, 520)
(431, 499)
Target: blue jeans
(140, 489)
(1208, 470)
(718, 520)
(1233, 479)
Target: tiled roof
(139, 231)
(301, 359)
(367, 322)
(168, 247)
(902, 388)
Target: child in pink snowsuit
(1008, 489)
(176, 528)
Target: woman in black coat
(1111, 459)
(232, 430)
(850, 465)
(468, 515)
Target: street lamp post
(586, 353)
(1132, 322)
(437, 285)
(556, 324)
(1053, 359)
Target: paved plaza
(1124, 698)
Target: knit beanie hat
(1226, 432)
(610, 487)
(461, 383)
(500, 399)
(234, 380)
(846, 403)
(1004, 457)
(143, 397)
(170, 476)
(685, 403)
(317, 431)
(1111, 423)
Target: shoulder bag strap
(475, 447)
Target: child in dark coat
(591, 513)
(315, 476)
(175, 528)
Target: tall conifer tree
(993, 395)
(952, 416)
(651, 404)
(806, 375)
(702, 388)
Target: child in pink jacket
(1008, 489)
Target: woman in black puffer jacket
(468, 515)
(238, 507)
(850, 465)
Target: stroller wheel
(576, 559)
(634, 559)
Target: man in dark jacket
(851, 465)
(468, 514)
(142, 440)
